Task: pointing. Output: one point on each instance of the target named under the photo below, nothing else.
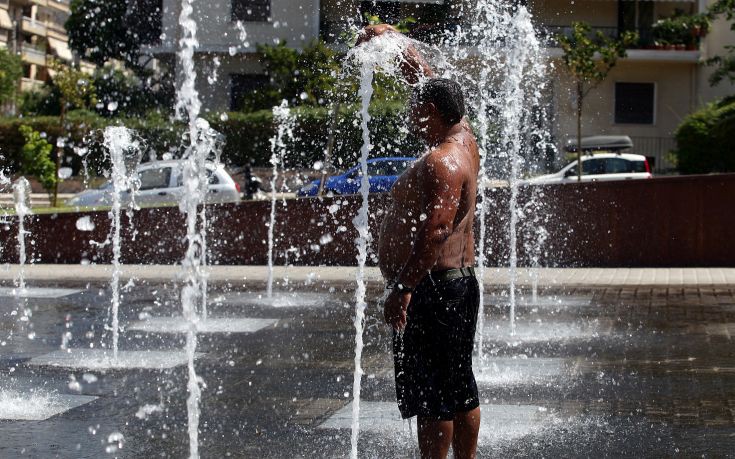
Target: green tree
(76, 91)
(725, 64)
(102, 30)
(589, 59)
(304, 77)
(36, 158)
(11, 70)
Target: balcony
(645, 50)
(57, 29)
(27, 84)
(34, 27)
(59, 5)
(31, 54)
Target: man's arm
(442, 189)
(414, 67)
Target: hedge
(705, 141)
(247, 136)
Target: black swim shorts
(433, 354)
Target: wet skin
(429, 227)
(432, 208)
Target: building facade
(646, 95)
(34, 29)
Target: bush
(704, 140)
(36, 158)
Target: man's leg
(435, 437)
(466, 429)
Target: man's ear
(433, 112)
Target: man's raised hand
(372, 31)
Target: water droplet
(85, 223)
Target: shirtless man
(426, 254)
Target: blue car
(382, 174)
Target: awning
(61, 48)
(5, 21)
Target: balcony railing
(33, 26)
(28, 84)
(61, 5)
(33, 54)
(58, 28)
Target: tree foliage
(102, 30)
(304, 77)
(725, 64)
(588, 57)
(36, 158)
(75, 87)
(11, 70)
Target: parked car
(603, 160)
(161, 183)
(382, 174)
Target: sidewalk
(547, 277)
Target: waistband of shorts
(439, 277)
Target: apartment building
(34, 29)
(646, 96)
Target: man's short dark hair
(447, 97)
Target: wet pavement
(594, 371)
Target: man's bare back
(408, 211)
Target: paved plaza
(603, 362)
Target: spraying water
(383, 53)
(188, 105)
(522, 89)
(21, 198)
(285, 122)
(124, 159)
(506, 90)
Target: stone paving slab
(547, 277)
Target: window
(251, 10)
(212, 178)
(593, 167)
(634, 103)
(618, 166)
(154, 178)
(242, 85)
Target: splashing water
(505, 95)
(22, 200)
(189, 106)
(124, 157)
(285, 122)
(380, 53)
(522, 91)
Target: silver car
(161, 183)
